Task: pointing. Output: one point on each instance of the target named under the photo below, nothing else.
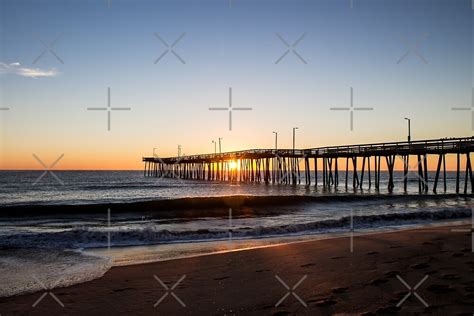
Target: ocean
(78, 224)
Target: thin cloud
(17, 69)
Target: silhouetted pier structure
(282, 166)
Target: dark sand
(244, 282)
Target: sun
(233, 165)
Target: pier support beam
(468, 175)
(406, 164)
(435, 184)
(390, 164)
(316, 172)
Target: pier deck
(282, 166)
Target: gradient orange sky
(169, 100)
(128, 161)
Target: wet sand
(330, 279)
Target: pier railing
(434, 146)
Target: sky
(367, 46)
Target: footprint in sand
(370, 253)
(469, 289)
(427, 243)
(387, 310)
(420, 266)
(395, 301)
(392, 274)
(325, 302)
(450, 276)
(431, 308)
(308, 265)
(124, 289)
(439, 288)
(378, 281)
(339, 290)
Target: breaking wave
(150, 233)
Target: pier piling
(283, 166)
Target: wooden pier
(282, 166)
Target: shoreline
(337, 281)
(254, 243)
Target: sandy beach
(330, 279)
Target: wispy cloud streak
(17, 69)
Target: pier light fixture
(409, 128)
(276, 140)
(215, 146)
(294, 129)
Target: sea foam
(30, 270)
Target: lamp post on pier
(276, 140)
(409, 128)
(294, 129)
